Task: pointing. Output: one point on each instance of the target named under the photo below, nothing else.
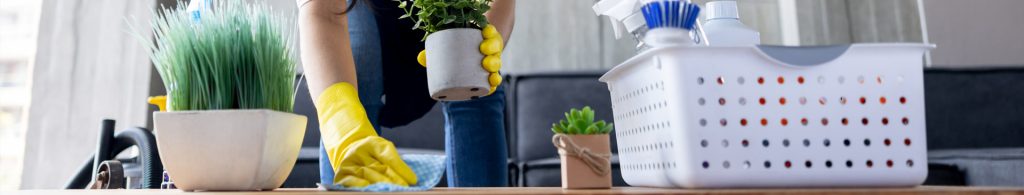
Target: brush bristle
(670, 14)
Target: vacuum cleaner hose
(149, 159)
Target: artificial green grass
(236, 56)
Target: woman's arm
(324, 42)
(502, 16)
(349, 140)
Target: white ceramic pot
(228, 150)
(454, 70)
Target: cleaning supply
(160, 101)
(197, 7)
(670, 22)
(723, 26)
(358, 156)
(428, 169)
(624, 17)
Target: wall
(975, 34)
(88, 67)
(562, 35)
(858, 21)
(19, 20)
(569, 36)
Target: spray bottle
(723, 26)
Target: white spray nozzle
(619, 12)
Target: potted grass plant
(583, 147)
(462, 61)
(230, 80)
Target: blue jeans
(474, 130)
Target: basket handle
(804, 56)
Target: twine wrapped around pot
(593, 160)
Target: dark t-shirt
(405, 81)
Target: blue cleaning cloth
(428, 169)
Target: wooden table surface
(556, 190)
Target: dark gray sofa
(538, 100)
(975, 122)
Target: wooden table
(556, 190)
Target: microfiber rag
(428, 169)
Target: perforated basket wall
(710, 117)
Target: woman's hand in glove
(491, 47)
(372, 160)
(358, 156)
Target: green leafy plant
(437, 15)
(581, 121)
(236, 56)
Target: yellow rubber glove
(359, 157)
(491, 47)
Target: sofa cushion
(547, 172)
(985, 167)
(974, 108)
(540, 100)
(944, 175)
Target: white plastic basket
(713, 117)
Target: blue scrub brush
(670, 22)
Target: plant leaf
(581, 124)
(461, 5)
(417, 24)
(575, 114)
(588, 114)
(448, 20)
(592, 130)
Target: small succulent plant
(581, 121)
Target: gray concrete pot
(454, 71)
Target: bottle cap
(722, 10)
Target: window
(18, 25)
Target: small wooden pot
(454, 70)
(577, 173)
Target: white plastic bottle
(723, 26)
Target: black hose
(81, 179)
(149, 159)
(103, 151)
